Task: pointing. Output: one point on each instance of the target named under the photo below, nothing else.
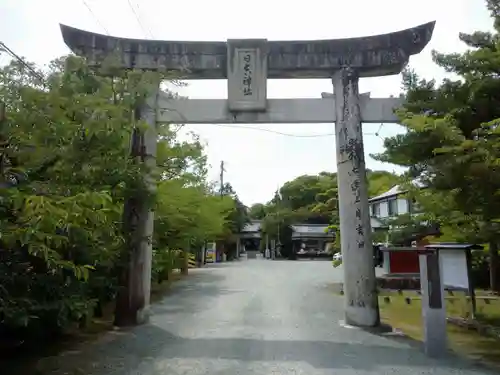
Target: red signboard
(404, 262)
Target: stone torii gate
(247, 64)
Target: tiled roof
(253, 226)
(310, 228)
(395, 190)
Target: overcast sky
(257, 161)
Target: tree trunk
(494, 268)
(185, 262)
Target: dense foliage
(451, 142)
(65, 174)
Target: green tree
(236, 218)
(257, 211)
(64, 177)
(65, 173)
(451, 142)
(381, 181)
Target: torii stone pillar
(247, 64)
(134, 300)
(361, 299)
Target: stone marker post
(361, 301)
(433, 304)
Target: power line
(147, 27)
(4, 47)
(275, 131)
(281, 133)
(98, 22)
(145, 30)
(179, 127)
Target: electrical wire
(280, 133)
(145, 30)
(179, 127)
(4, 47)
(274, 131)
(98, 22)
(138, 6)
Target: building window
(411, 205)
(392, 207)
(376, 209)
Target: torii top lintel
(376, 55)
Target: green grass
(408, 318)
(336, 262)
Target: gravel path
(253, 317)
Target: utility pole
(221, 177)
(278, 204)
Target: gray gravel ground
(254, 317)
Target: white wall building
(388, 205)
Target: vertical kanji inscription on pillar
(355, 231)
